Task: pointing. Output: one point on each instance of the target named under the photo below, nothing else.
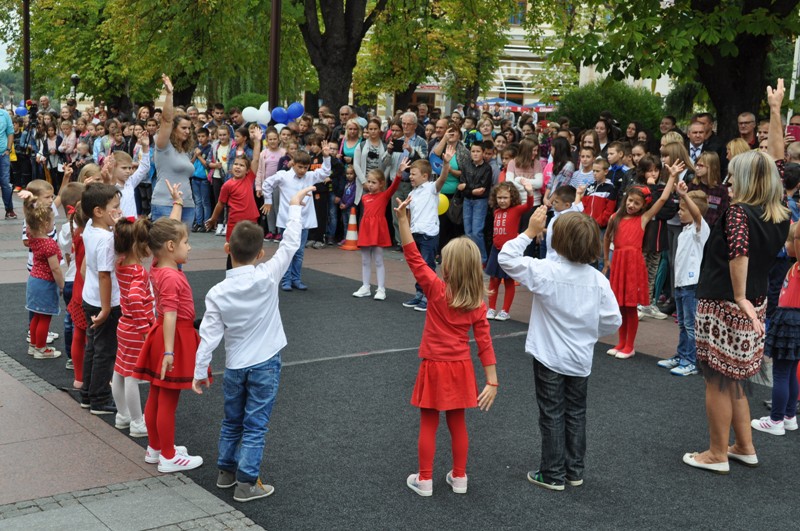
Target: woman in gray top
(173, 159)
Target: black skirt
(783, 335)
(493, 268)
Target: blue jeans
(67, 294)
(686, 305)
(333, 216)
(562, 423)
(201, 192)
(293, 273)
(5, 181)
(159, 211)
(474, 220)
(426, 245)
(249, 396)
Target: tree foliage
(723, 43)
(120, 47)
(627, 104)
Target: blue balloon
(21, 111)
(295, 110)
(280, 115)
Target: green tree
(723, 44)
(583, 105)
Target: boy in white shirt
(101, 206)
(126, 179)
(573, 305)
(688, 257)
(289, 182)
(565, 199)
(243, 309)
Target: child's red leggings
(629, 328)
(78, 348)
(494, 285)
(159, 415)
(429, 423)
(40, 325)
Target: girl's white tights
(125, 390)
(368, 256)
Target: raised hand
(167, 83)
(404, 165)
(300, 197)
(257, 135)
(682, 189)
(449, 153)
(537, 223)
(402, 207)
(144, 139)
(677, 167)
(775, 96)
(326, 151)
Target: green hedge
(584, 104)
(247, 99)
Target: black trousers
(100, 355)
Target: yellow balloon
(444, 204)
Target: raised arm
(674, 170)
(167, 113)
(697, 217)
(775, 145)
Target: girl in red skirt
(137, 305)
(446, 378)
(373, 233)
(167, 357)
(628, 271)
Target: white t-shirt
(100, 257)
(689, 253)
(425, 209)
(576, 207)
(65, 243)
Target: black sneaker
(106, 408)
(85, 404)
(538, 479)
(667, 307)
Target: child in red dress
(628, 270)
(446, 378)
(168, 355)
(508, 211)
(137, 305)
(373, 234)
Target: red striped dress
(136, 303)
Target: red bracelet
(493, 384)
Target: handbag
(455, 212)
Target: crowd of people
(644, 226)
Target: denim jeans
(333, 216)
(474, 220)
(160, 211)
(249, 396)
(293, 273)
(201, 192)
(5, 181)
(562, 423)
(67, 294)
(426, 245)
(686, 305)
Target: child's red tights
(494, 285)
(78, 348)
(429, 423)
(40, 325)
(629, 328)
(159, 415)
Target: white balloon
(264, 106)
(263, 116)
(250, 114)
(279, 127)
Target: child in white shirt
(565, 199)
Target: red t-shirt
(506, 222)
(173, 292)
(238, 195)
(790, 292)
(42, 249)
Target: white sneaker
(654, 312)
(767, 425)
(121, 422)
(491, 314)
(790, 423)
(380, 294)
(502, 316)
(152, 456)
(220, 230)
(670, 363)
(363, 291)
(178, 463)
(46, 353)
(31, 350)
(138, 429)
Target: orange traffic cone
(351, 240)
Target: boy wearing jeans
(101, 205)
(243, 309)
(573, 305)
(688, 258)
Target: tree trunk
(736, 84)
(334, 84)
(183, 97)
(403, 99)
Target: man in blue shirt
(6, 142)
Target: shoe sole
(382, 298)
(359, 296)
(169, 469)
(251, 498)
(547, 486)
(226, 486)
(122, 426)
(98, 412)
(575, 483)
(502, 319)
(750, 461)
(689, 460)
(418, 309)
(409, 305)
(138, 434)
(624, 355)
(692, 373)
(771, 432)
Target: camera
(33, 113)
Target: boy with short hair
(688, 257)
(565, 199)
(100, 204)
(573, 306)
(617, 175)
(244, 310)
(475, 183)
(289, 182)
(470, 132)
(126, 179)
